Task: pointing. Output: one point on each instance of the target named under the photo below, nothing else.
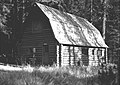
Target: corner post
(69, 55)
(74, 55)
(60, 55)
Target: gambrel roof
(71, 29)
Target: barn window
(46, 47)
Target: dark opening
(46, 48)
(85, 58)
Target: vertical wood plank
(69, 55)
(105, 57)
(57, 54)
(60, 55)
(74, 55)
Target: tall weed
(46, 75)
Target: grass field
(45, 75)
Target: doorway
(45, 57)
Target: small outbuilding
(52, 36)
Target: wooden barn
(51, 36)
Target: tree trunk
(104, 20)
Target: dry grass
(50, 76)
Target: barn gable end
(38, 39)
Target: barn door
(45, 57)
(85, 57)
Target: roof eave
(83, 46)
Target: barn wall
(26, 50)
(96, 56)
(70, 55)
(37, 38)
(93, 57)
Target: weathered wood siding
(37, 33)
(96, 56)
(70, 55)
